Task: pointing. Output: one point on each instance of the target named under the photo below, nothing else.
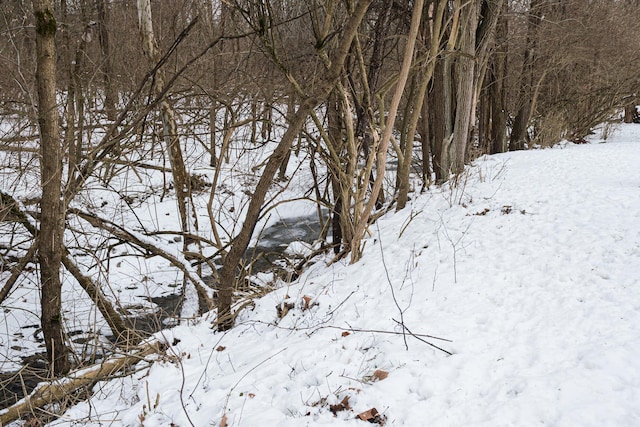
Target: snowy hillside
(526, 277)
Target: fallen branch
(16, 271)
(57, 390)
(151, 247)
(114, 320)
(124, 335)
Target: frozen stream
(269, 252)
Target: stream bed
(267, 253)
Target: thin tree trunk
(51, 206)
(438, 116)
(426, 72)
(291, 107)
(110, 97)
(213, 114)
(519, 132)
(425, 144)
(334, 132)
(465, 64)
(381, 153)
(169, 124)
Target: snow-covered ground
(528, 274)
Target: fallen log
(58, 389)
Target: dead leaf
(283, 308)
(223, 421)
(345, 334)
(251, 395)
(342, 406)
(373, 416)
(307, 301)
(379, 375)
(368, 415)
(221, 348)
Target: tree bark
(169, 125)
(51, 204)
(110, 94)
(426, 71)
(465, 64)
(519, 132)
(497, 86)
(381, 152)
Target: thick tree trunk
(438, 116)
(51, 205)
(446, 151)
(629, 113)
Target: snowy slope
(530, 267)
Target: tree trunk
(438, 116)
(424, 78)
(169, 125)
(110, 97)
(465, 63)
(629, 113)
(239, 246)
(291, 108)
(213, 114)
(497, 86)
(51, 206)
(446, 154)
(381, 152)
(519, 132)
(334, 132)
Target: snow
(527, 273)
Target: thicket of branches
(433, 83)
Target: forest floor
(512, 299)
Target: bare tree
(50, 243)
(323, 87)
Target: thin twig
(419, 338)
(393, 293)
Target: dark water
(274, 240)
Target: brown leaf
(223, 421)
(379, 375)
(342, 406)
(345, 334)
(251, 395)
(368, 415)
(307, 301)
(221, 348)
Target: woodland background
(92, 90)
